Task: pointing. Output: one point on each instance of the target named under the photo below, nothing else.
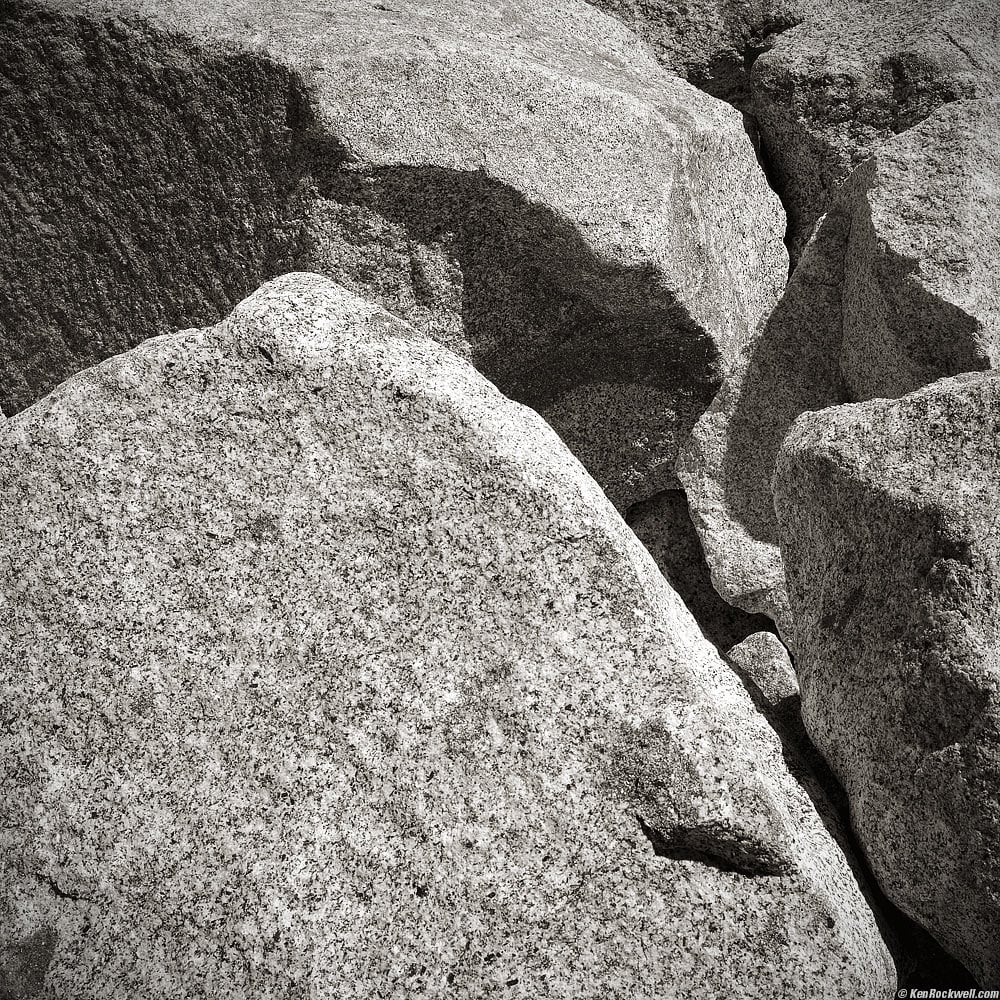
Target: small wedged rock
(900, 286)
(452, 160)
(833, 89)
(887, 512)
(764, 661)
(327, 669)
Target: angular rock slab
(520, 180)
(832, 90)
(330, 671)
(900, 286)
(887, 511)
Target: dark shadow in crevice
(475, 264)
(663, 524)
(728, 78)
(716, 846)
(920, 961)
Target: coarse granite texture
(329, 672)
(519, 179)
(887, 518)
(851, 76)
(823, 83)
(765, 662)
(764, 666)
(714, 43)
(899, 286)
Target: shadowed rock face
(147, 185)
(314, 644)
(452, 161)
(711, 43)
(24, 963)
(663, 525)
(887, 518)
(899, 287)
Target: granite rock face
(329, 671)
(451, 160)
(921, 295)
(707, 42)
(824, 83)
(832, 90)
(900, 286)
(711, 43)
(887, 514)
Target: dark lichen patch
(24, 963)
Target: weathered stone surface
(823, 82)
(900, 286)
(831, 91)
(763, 659)
(452, 160)
(663, 525)
(328, 670)
(921, 296)
(887, 514)
(764, 666)
(712, 43)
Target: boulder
(887, 516)
(454, 161)
(764, 666)
(900, 286)
(715, 43)
(823, 83)
(832, 90)
(327, 669)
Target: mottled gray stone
(823, 82)
(763, 659)
(887, 512)
(328, 671)
(712, 43)
(900, 286)
(852, 75)
(520, 180)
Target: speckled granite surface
(854, 74)
(521, 180)
(888, 522)
(899, 287)
(329, 673)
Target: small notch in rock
(265, 353)
(715, 846)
